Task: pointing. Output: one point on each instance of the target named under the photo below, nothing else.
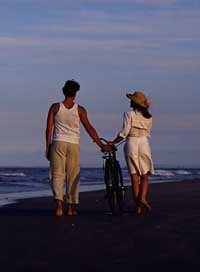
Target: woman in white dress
(137, 125)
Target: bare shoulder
(81, 110)
(55, 107)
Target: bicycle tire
(120, 186)
(114, 182)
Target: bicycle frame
(113, 179)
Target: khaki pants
(65, 165)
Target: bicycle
(115, 189)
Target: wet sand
(166, 239)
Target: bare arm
(88, 127)
(91, 130)
(116, 140)
(124, 132)
(50, 123)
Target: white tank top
(67, 125)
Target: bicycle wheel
(119, 185)
(112, 181)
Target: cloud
(187, 123)
(154, 2)
(159, 54)
(109, 45)
(159, 24)
(22, 131)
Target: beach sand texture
(167, 239)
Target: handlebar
(114, 148)
(104, 140)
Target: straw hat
(139, 98)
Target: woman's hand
(111, 143)
(106, 148)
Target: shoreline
(34, 239)
(14, 197)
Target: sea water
(19, 182)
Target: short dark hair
(70, 88)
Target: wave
(31, 179)
(165, 173)
(4, 174)
(182, 172)
(173, 172)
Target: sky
(110, 47)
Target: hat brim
(129, 95)
(134, 99)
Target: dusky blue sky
(109, 47)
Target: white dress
(136, 130)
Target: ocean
(19, 182)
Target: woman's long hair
(145, 112)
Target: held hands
(106, 148)
(111, 142)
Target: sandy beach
(167, 239)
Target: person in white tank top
(137, 125)
(62, 146)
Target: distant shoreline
(15, 197)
